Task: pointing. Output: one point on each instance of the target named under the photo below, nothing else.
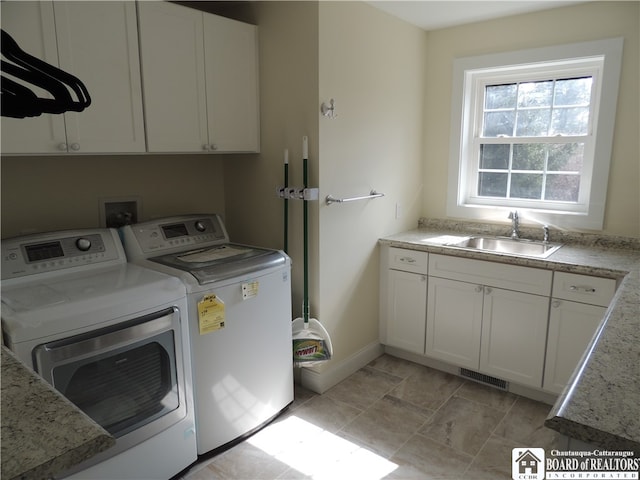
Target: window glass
(537, 110)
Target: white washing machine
(110, 336)
(239, 321)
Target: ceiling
(432, 14)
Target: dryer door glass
(123, 390)
(123, 379)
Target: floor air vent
(486, 379)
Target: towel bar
(331, 199)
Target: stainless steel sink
(528, 248)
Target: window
(532, 130)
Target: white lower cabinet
(571, 327)
(514, 333)
(501, 320)
(454, 321)
(407, 304)
(577, 308)
(473, 321)
(403, 298)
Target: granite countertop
(601, 404)
(43, 433)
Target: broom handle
(286, 202)
(305, 239)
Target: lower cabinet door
(571, 327)
(514, 334)
(407, 304)
(454, 321)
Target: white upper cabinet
(31, 24)
(172, 57)
(96, 42)
(231, 66)
(200, 80)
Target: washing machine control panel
(51, 252)
(171, 234)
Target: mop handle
(286, 201)
(305, 240)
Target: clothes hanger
(19, 102)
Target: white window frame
(601, 59)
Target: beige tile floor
(392, 419)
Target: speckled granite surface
(601, 406)
(42, 432)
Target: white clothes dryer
(239, 321)
(112, 337)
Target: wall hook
(329, 110)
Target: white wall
(373, 65)
(588, 21)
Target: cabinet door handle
(556, 303)
(488, 290)
(408, 260)
(62, 147)
(75, 147)
(423, 278)
(582, 289)
(479, 288)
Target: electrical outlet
(119, 212)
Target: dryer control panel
(56, 251)
(167, 235)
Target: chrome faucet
(545, 233)
(515, 230)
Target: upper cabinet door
(31, 24)
(231, 66)
(200, 78)
(98, 43)
(172, 57)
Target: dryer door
(127, 378)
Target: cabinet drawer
(408, 260)
(509, 277)
(583, 288)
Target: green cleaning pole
(305, 239)
(286, 201)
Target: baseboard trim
(320, 381)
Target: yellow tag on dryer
(211, 314)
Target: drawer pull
(408, 260)
(582, 289)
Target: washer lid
(217, 263)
